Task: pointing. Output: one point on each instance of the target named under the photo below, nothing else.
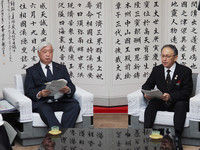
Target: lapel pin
(176, 77)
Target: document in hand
(153, 93)
(54, 87)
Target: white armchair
(29, 126)
(164, 119)
(1, 120)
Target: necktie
(49, 74)
(168, 79)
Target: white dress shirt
(172, 69)
(45, 69)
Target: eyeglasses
(167, 56)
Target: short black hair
(173, 47)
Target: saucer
(55, 133)
(156, 137)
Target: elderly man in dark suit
(175, 81)
(37, 76)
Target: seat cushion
(37, 121)
(163, 118)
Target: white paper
(54, 87)
(153, 93)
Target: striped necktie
(49, 74)
(168, 79)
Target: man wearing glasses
(175, 82)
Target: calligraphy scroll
(24, 24)
(81, 39)
(183, 31)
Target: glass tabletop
(104, 139)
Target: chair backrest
(19, 82)
(196, 83)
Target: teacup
(54, 129)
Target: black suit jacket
(180, 87)
(36, 79)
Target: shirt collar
(172, 68)
(43, 65)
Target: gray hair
(43, 44)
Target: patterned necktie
(49, 74)
(168, 79)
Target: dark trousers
(4, 141)
(70, 110)
(180, 110)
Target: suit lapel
(55, 70)
(40, 71)
(163, 76)
(175, 75)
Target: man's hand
(147, 97)
(44, 93)
(65, 90)
(166, 97)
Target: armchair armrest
(1, 120)
(22, 103)
(194, 112)
(85, 100)
(136, 102)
